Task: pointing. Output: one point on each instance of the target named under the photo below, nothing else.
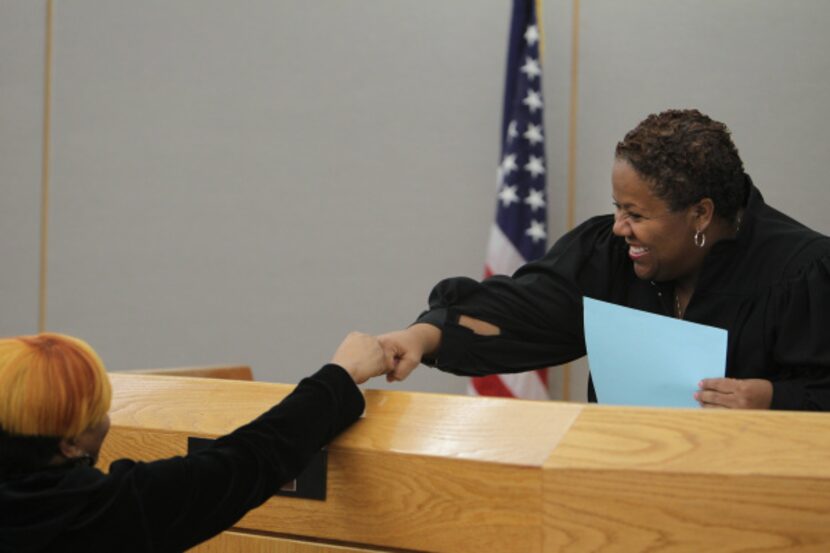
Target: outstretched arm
(404, 349)
(178, 502)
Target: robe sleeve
(538, 310)
(798, 329)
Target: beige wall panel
(248, 183)
(22, 60)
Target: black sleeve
(799, 323)
(186, 500)
(538, 309)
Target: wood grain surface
(233, 542)
(489, 429)
(422, 472)
(418, 472)
(228, 372)
(626, 479)
(718, 441)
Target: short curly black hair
(687, 156)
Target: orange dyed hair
(51, 385)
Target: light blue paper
(639, 358)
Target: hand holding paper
(752, 393)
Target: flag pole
(573, 109)
(566, 369)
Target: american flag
(519, 233)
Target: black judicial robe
(769, 287)
(174, 504)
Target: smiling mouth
(636, 252)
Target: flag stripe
(502, 256)
(527, 385)
(491, 385)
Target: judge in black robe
(692, 238)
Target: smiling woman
(692, 238)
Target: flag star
(531, 68)
(508, 195)
(535, 166)
(532, 35)
(535, 199)
(536, 230)
(533, 100)
(534, 133)
(509, 164)
(512, 132)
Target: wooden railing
(441, 473)
(227, 372)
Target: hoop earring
(700, 239)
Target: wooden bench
(228, 372)
(441, 473)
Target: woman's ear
(703, 212)
(70, 449)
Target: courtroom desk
(441, 473)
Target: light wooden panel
(624, 511)
(228, 372)
(413, 502)
(455, 474)
(689, 480)
(489, 429)
(419, 472)
(695, 440)
(233, 542)
(389, 499)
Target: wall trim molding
(44, 172)
(572, 137)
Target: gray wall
(248, 181)
(21, 122)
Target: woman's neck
(684, 286)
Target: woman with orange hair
(54, 399)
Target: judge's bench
(453, 474)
